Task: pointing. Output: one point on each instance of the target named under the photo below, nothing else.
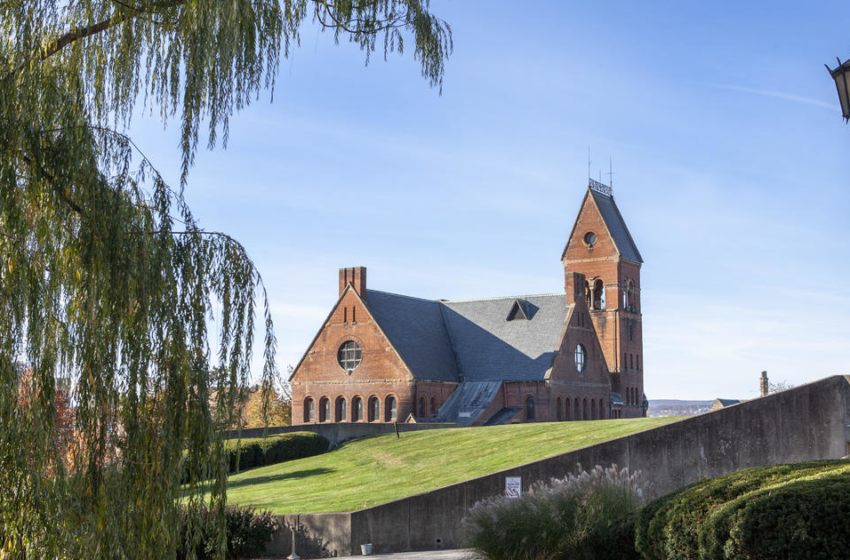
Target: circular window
(349, 356)
(581, 358)
(590, 239)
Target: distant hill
(673, 407)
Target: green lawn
(374, 470)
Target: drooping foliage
(107, 279)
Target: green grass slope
(374, 470)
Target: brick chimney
(765, 386)
(356, 276)
(574, 286)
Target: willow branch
(83, 32)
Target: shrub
(248, 532)
(256, 452)
(578, 517)
(784, 511)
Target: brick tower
(601, 247)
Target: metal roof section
(503, 416)
(416, 329)
(489, 348)
(468, 402)
(615, 223)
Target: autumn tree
(106, 276)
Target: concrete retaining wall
(342, 431)
(802, 424)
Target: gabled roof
(472, 340)
(416, 329)
(489, 348)
(616, 225)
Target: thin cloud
(777, 95)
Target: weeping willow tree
(106, 277)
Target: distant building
(722, 403)
(576, 355)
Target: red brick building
(576, 355)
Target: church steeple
(601, 248)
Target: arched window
(585, 412)
(587, 295)
(580, 358)
(558, 410)
(593, 409)
(357, 405)
(433, 407)
(630, 290)
(567, 409)
(309, 410)
(340, 409)
(598, 294)
(529, 408)
(626, 300)
(391, 409)
(422, 407)
(324, 409)
(374, 409)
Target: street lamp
(842, 82)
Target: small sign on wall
(513, 486)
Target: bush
(257, 452)
(248, 533)
(579, 517)
(785, 511)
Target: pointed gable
(416, 330)
(350, 319)
(599, 206)
(616, 226)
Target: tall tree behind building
(106, 276)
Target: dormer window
(519, 310)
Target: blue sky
(731, 169)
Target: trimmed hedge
(785, 511)
(257, 452)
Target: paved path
(460, 554)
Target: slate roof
(416, 329)
(489, 348)
(471, 340)
(617, 226)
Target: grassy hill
(374, 470)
